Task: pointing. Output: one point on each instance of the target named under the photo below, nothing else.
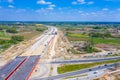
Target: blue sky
(60, 10)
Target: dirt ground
(114, 75)
(44, 69)
(62, 46)
(17, 49)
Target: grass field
(2, 35)
(77, 35)
(84, 37)
(74, 67)
(107, 41)
(4, 41)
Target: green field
(3, 36)
(4, 41)
(115, 41)
(74, 67)
(2, 33)
(77, 35)
(85, 37)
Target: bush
(107, 34)
(40, 29)
(100, 35)
(88, 48)
(17, 38)
(96, 35)
(12, 30)
(97, 27)
(1, 28)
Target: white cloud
(11, 6)
(81, 1)
(74, 2)
(10, 1)
(51, 7)
(105, 9)
(40, 10)
(91, 2)
(43, 2)
(78, 2)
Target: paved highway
(23, 72)
(58, 77)
(9, 68)
(79, 61)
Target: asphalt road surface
(10, 67)
(57, 77)
(24, 70)
(79, 61)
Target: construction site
(40, 58)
